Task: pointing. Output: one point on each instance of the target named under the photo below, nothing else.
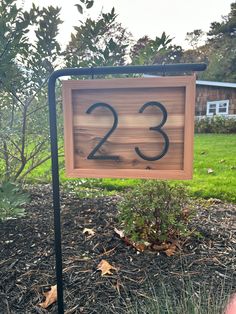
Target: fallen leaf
(171, 250)
(119, 232)
(209, 170)
(222, 160)
(89, 232)
(139, 246)
(105, 267)
(168, 248)
(51, 297)
(161, 247)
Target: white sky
(150, 17)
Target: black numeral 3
(158, 129)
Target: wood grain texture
(84, 131)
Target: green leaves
(154, 211)
(79, 8)
(150, 51)
(11, 201)
(98, 42)
(88, 4)
(25, 65)
(13, 39)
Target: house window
(219, 107)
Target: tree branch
(6, 158)
(37, 91)
(13, 143)
(23, 139)
(36, 165)
(9, 154)
(37, 109)
(36, 150)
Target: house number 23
(157, 129)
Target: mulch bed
(27, 264)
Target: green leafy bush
(11, 201)
(215, 124)
(154, 211)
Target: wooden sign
(129, 128)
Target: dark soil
(27, 264)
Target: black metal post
(56, 190)
(164, 68)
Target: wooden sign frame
(182, 87)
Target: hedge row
(215, 124)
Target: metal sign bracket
(162, 69)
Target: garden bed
(204, 265)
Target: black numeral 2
(157, 128)
(103, 140)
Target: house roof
(218, 84)
(208, 83)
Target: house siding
(212, 93)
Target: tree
(100, 42)
(14, 26)
(194, 38)
(148, 51)
(218, 51)
(222, 53)
(25, 67)
(197, 55)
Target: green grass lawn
(212, 151)
(216, 152)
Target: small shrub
(154, 211)
(203, 125)
(11, 201)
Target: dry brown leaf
(141, 246)
(119, 232)
(161, 247)
(105, 267)
(171, 250)
(168, 248)
(89, 232)
(137, 245)
(51, 297)
(209, 170)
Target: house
(215, 98)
